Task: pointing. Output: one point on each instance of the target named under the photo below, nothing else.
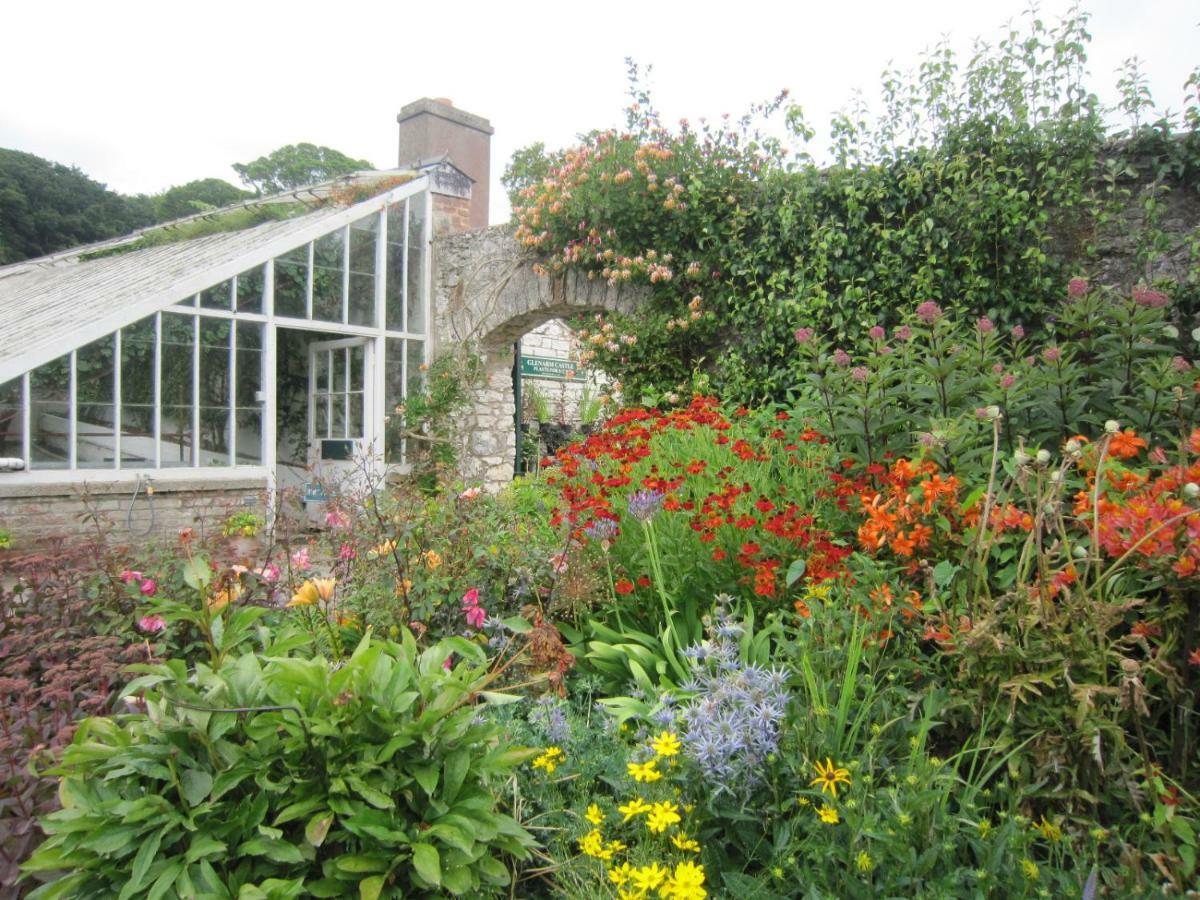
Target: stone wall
(556, 340)
(37, 513)
(486, 296)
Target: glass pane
(338, 366)
(249, 364)
(177, 384)
(394, 295)
(321, 415)
(393, 396)
(328, 262)
(291, 283)
(416, 268)
(356, 400)
(356, 367)
(137, 394)
(337, 423)
(12, 425)
(362, 271)
(250, 291)
(215, 336)
(219, 296)
(416, 366)
(249, 436)
(95, 437)
(49, 389)
(321, 370)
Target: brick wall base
(37, 513)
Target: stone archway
(486, 294)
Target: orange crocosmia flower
(1126, 444)
(882, 595)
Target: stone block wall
(40, 512)
(556, 340)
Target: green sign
(551, 368)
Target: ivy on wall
(982, 186)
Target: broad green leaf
(196, 784)
(370, 888)
(427, 863)
(317, 828)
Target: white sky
(145, 95)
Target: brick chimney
(432, 128)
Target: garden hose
(142, 480)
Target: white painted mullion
(404, 274)
(427, 276)
(232, 418)
(266, 383)
(26, 422)
(196, 391)
(404, 395)
(381, 269)
(158, 390)
(72, 417)
(117, 398)
(377, 410)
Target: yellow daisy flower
(594, 815)
(666, 744)
(634, 807)
(644, 772)
(828, 814)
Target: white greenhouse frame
(183, 297)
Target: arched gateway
(486, 296)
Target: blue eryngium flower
(644, 505)
(732, 719)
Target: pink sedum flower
(1017, 332)
(1052, 354)
(903, 333)
(1149, 299)
(841, 357)
(877, 333)
(803, 335)
(985, 325)
(860, 373)
(929, 312)
(1077, 287)
(1008, 381)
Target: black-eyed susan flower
(829, 776)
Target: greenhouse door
(340, 430)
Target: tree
(46, 206)
(296, 166)
(529, 166)
(195, 197)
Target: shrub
(272, 776)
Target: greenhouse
(205, 348)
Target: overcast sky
(145, 95)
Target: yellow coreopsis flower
(830, 776)
(647, 878)
(662, 816)
(549, 759)
(634, 807)
(828, 814)
(592, 844)
(686, 883)
(683, 842)
(595, 815)
(644, 772)
(618, 875)
(666, 744)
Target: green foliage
(296, 166)
(271, 776)
(203, 195)
(428, 417)
(528, 166)
(46, 207)
(982, 185)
